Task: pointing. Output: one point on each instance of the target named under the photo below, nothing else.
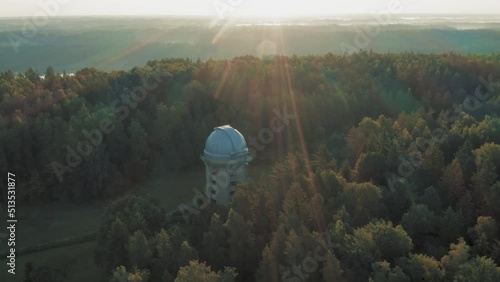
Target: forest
(389, 169)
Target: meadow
(52, 222)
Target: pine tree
(452, 181)
(215, 244)
(139, 250)
(458, 255)
(116, 245)
(241, 243)
(200, 272)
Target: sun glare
(269, 10)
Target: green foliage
(382, 272)
(163, 246)
(484, 235)
(376, 242)
(133, 236)
(115, 248)
(139, 149)
(42, 116)
(458, 255)
(44, 274)
(185, 253)
(419, 221)
(452, 181)
(241, 243)
(371, 167)
(357, 125)
(451, 226)
(362, 201)
(139, 250)
(431, 199)
(214, 242)
(197, 271)
(478, 269)
(421, 268)
(332, 269)
(120, 274)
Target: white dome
(225, 142)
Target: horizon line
(253, 16)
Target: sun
(270, 10)
(263, 9)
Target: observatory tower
(226, 160)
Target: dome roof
(225, 142)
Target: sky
(242, 8)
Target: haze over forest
(108, 43)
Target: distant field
(122, 43)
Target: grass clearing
(45, 223)
(77, 261)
